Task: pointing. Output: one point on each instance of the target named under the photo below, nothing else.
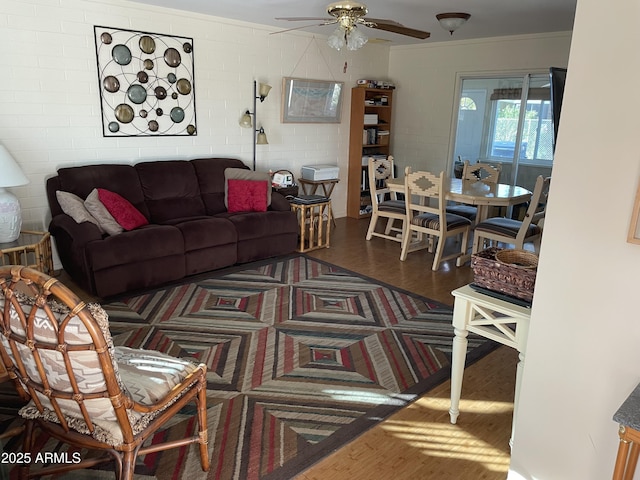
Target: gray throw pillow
(101, 214)
(73, 206)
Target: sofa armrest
(78, 234)
(279, 203)
(70, 240)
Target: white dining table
(481, 194)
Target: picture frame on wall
(634, 227)
(146, 83)
(311, 101)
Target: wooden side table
(492, 318)
(315, 225)
(628, 417)
(31, 249)
(310, 187)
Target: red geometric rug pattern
(302, 356)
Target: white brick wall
(50, 104)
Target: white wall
(50, 115)
(583, 355)
(426, 79)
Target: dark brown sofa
(189, 231)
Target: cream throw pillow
(244, 174)
(101, 214)
(73, 206)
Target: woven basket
(290, 190)
(512, 272)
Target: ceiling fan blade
(308, 19)
(328, 22)
(395, 27)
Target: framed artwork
(634, 227)
(311, 101)
(146, 83)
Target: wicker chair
(379, 171)
(81, 389)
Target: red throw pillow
(127, 216)
(247, 195)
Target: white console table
(492, 318)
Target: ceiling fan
(348, 16)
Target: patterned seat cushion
(466, 211)
(148, 375)
(432, 221)
(397, 206)
(506, 227)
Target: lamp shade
(10, 173)
(245, 120)
(264, 91)
(262, 137)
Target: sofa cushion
(128, 216)
(170, 190)
(252, 225)
(210, 172)
(119, 178)
(129, 248)
(247, 195)
(206, 232)
(101, 214)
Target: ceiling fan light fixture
(356, 39)
(336, 39)
(453, 20)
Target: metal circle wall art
(146, 83)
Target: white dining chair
(477, 172)
(393, 210)
(516, 232)
(426, 216)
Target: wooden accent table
(314, 220)
(629, 419)
(492, 318)
(31, 249)
(310, 187)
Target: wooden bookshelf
(366, 138)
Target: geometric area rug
(302, 357)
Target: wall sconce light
(452, 21)
(259, 137)
(10, 214)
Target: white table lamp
(10, 215)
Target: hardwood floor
(419, 442)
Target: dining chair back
(485, 172)
(476, 172)
(428, 219)
(379, 170)
(83, 390)
(516, 232)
